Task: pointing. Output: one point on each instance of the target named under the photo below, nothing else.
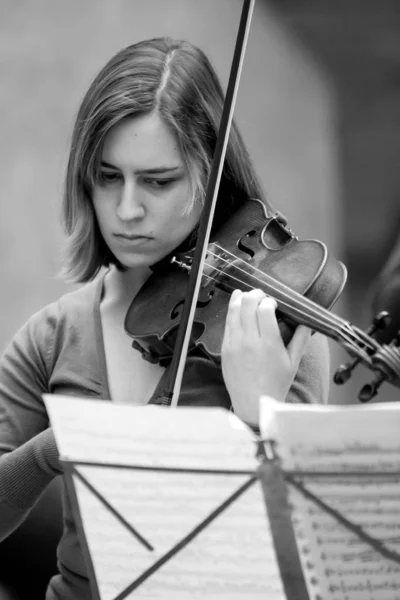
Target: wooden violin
(182, 307)
(255, 250)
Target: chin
(140, 261)
(137, 260)
(146, 257)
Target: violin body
(251, 250)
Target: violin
(254, 249)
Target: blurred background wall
(316, 106)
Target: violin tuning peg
(380, 322)
(396, 340)
(369, 390)
(342, 374)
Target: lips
(131, 237)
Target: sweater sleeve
(28, 452)
(311, 384)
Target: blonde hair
(177, 80)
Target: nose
(130, 206)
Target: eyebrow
(153, 171)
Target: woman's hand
(255, 361)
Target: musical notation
(349, 458)
(169, 501)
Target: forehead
(141, 142)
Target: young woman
(139, 162)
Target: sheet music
(232, 557)
(95, 431)
(339, 565)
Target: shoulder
(56, 322)
(312, 381)
(69, 308)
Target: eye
(109, 177)
(159, 184)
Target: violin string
(329, 319)
(280, 287)
(287, 292)
(344, 335)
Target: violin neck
(304, 311)
(319, 319)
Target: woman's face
(142, 193)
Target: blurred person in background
(386, 292)
(139, 163)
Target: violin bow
(170, 394)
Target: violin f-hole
(242, 246)
(202, 301)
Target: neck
(120, 287)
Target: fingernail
(272, 300)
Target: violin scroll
(384, 360)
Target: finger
(266, 318)
(298, 343)
(248, 313)
(232, 322)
